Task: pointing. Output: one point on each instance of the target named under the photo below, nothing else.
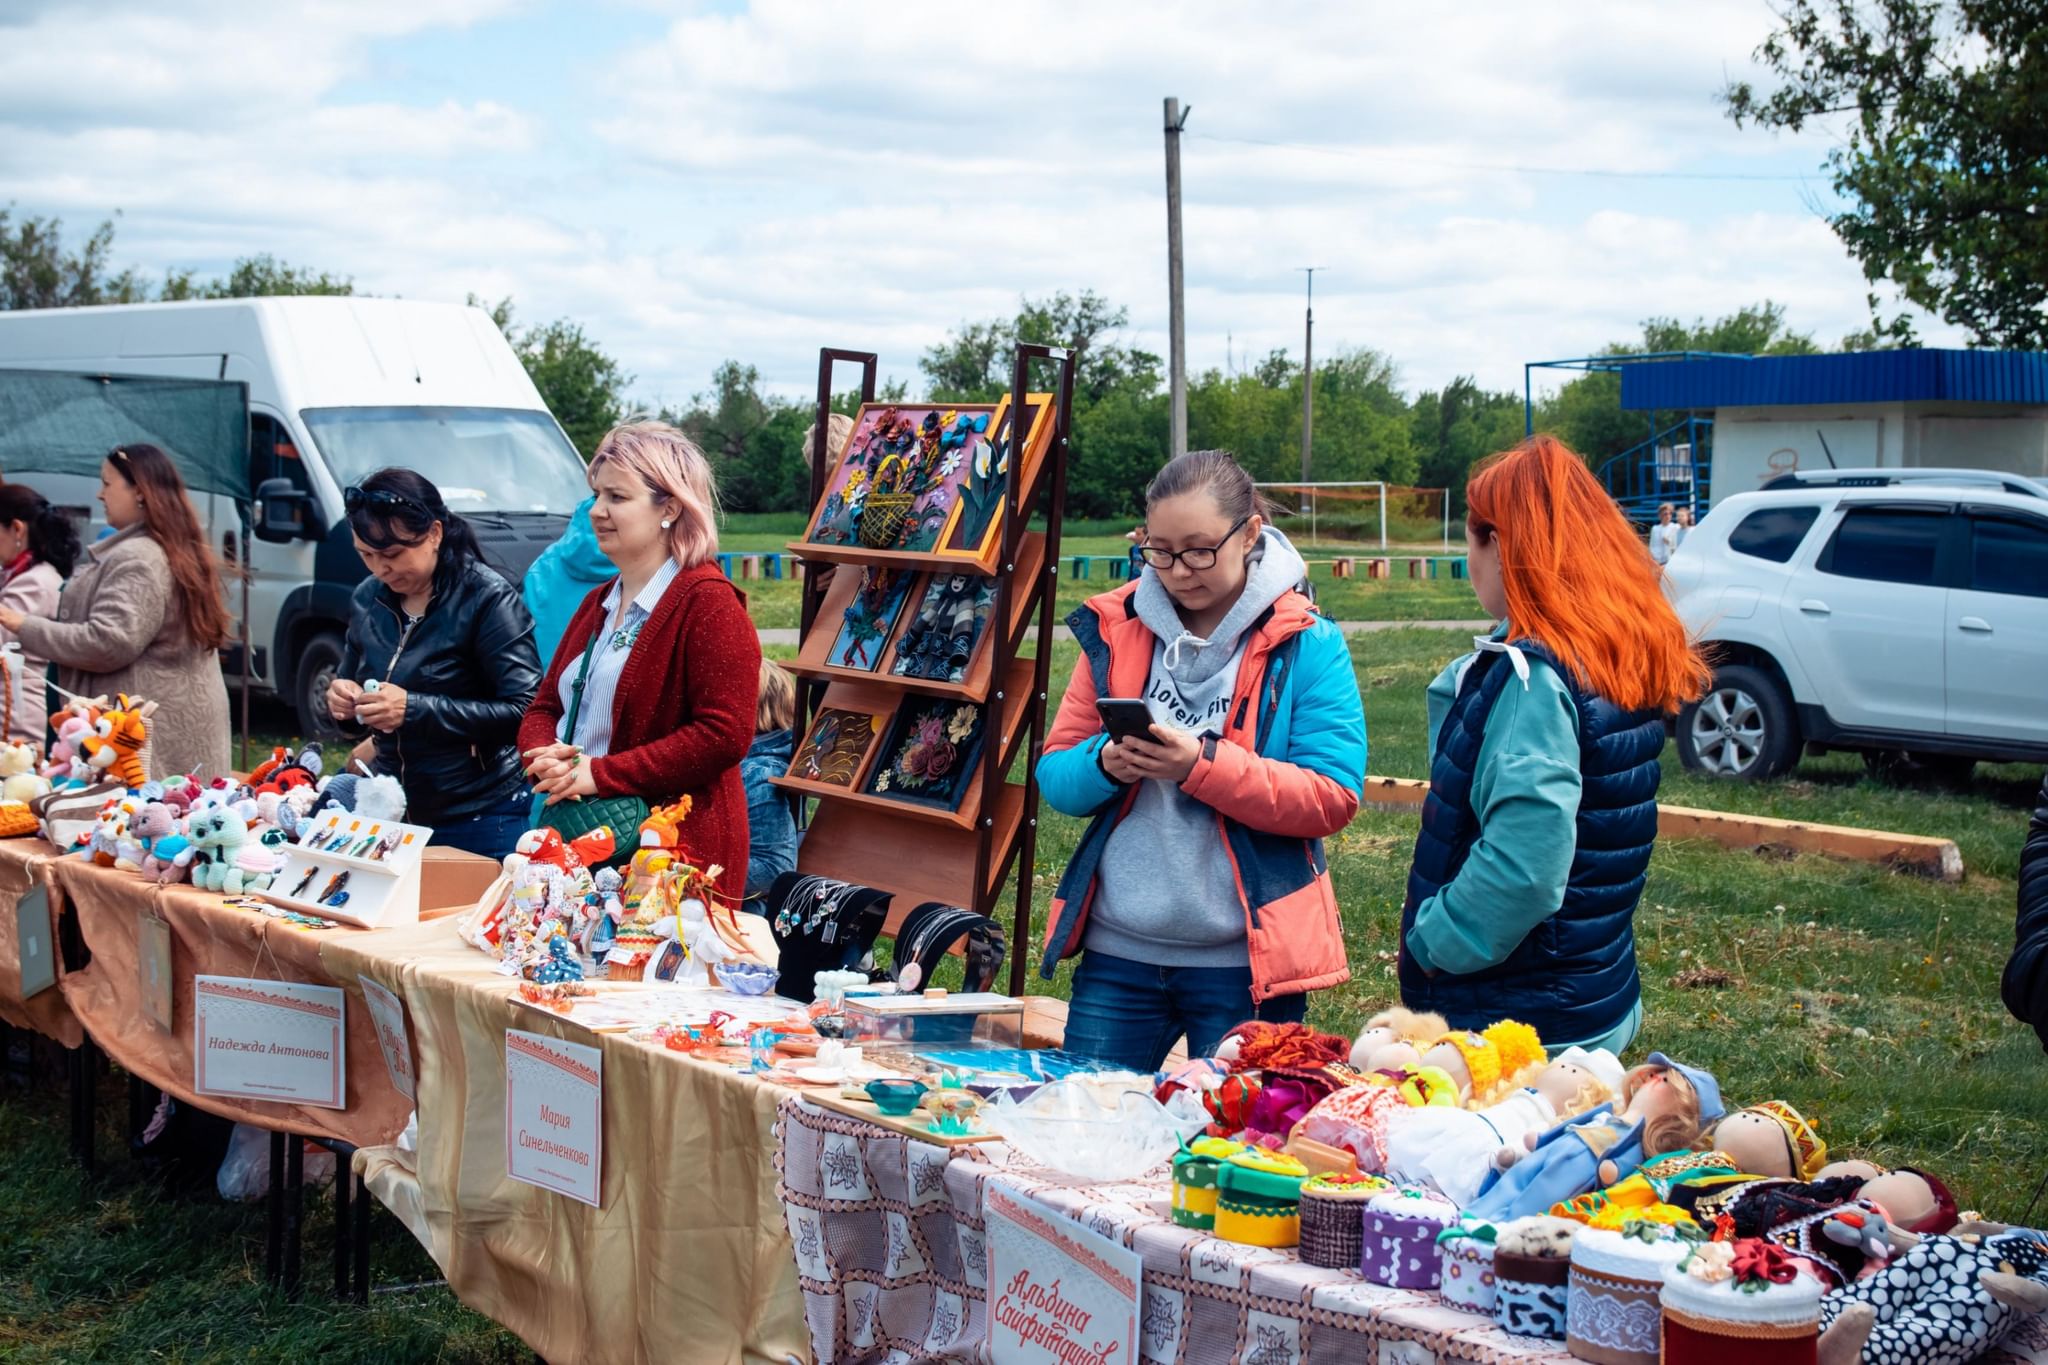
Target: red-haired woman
(144, 615)
(652, 690)
(1542, 805)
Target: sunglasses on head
(354, 499)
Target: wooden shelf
(877, 697)
(860, 843)
(974, 685)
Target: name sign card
(388, 1016)
(269, 1040)
(1059, 1294)
(554, 1114)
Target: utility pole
(1177, 324)
(1308, 370)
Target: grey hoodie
(1166, 893)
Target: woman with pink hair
(651, 692)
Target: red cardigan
(683, 715)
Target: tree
(1945, 160)
(256, 277)
(584, 387)
(1454, 429)
(37, 272)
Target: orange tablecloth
(689, 1258)
(23, 863)
(209, 938)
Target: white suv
(1901, 613)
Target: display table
(212, 939)
(687, 1259)
(24, 863)
(890, 1251)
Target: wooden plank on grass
(1930, 857)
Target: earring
(666, 523)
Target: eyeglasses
(1195, 557)
(354, 499)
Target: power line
(1501, 168)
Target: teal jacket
(562, 577)
(1525, 791)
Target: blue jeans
(491, 833)
(1129, 1013)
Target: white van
(338, 387)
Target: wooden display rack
(922, 853)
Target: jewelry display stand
(381, 891)
(961, 848)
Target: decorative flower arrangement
(933, 743)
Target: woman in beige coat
(143, 615)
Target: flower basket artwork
(900, 478)
(930, 754)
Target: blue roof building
(1888, 409)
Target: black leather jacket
(2026, 976)
(469, 671)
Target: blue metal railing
(1651, 472)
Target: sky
(1482, 184)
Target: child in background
(771, 820)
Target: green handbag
(573, 819)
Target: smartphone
(1124, 717)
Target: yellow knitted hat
(1519, 1046)
(1482, 1060)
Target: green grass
(116, 1268)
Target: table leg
(294, 1209)
(344, 1224)
(273, 1228)
(84, 1076)
(361, 1239)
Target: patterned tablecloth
(890, 1253)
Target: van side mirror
(283, 511)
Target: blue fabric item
(561, 578)
(771, 823)
(1128, 1014)
(490, 834)
(1574, 974)
(1562, 1166)
(1704, 1086)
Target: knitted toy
(1254, 1045)
(18, 767)
(167, 853)
(284, 770)
(1395, 1038)
(217, 837)
(1663, 1106)
(72, 724)
(115, 745)
(1946, 1300)
(104, 846)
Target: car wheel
(318, 661)
(1742, 730)
(1912, 767)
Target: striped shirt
(594, 722)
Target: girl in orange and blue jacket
(1199, 896)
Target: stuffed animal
(217, 836)
(18, 767)
(257, 863)
(114, 746)
(285, 771)
(104, 845)
(167, 853)
(1946, 1300)
(72, 725)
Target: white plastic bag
(1100, 1127)
(245, 1170)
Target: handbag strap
(582, 676)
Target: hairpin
(312, 871)
(336, 883)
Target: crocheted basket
(1467, 1265)
(1612, 1314)
(1401, 1227)
(1332, 1218)
(1530, 1294)
(1708, 1322)
(1258, 1199)
(1194, 1181)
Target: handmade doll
(1255, 1045)
(1943, 1301)
(1395, 1038)
(1770, 1139)
(1451, 1150)
(1663, 1105)
(1487, 1065)
(1355, 1120)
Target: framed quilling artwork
(836, 747)
(972, 530)
(945, 628)
(870, 618)
(930, 754)
(898, 484)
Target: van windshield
(482, 459)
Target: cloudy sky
(1485, 184)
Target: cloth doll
(1450, 1150)
(1356, 1118)
(1943, 1301)
(1395, 1038)
(1770, 1139)
(1256, 1045)
(1490, 1063)
(1663, 1105)
(1671, 1182)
